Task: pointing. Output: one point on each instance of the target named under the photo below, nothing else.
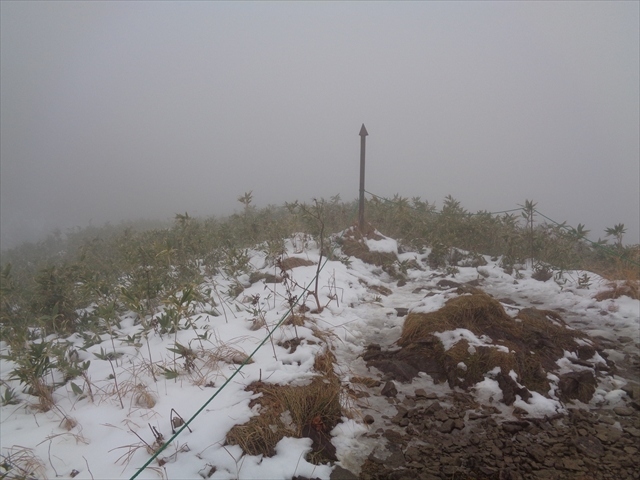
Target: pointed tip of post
(363, 131)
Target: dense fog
(123, 110)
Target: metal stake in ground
(363, 139)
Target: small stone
(488, 471)
(574, 464)
(458, 424)
(429, 476)
(463, 442)
(368, 419)
(496, 452)
(441, 416)
(389, 389)
(537, 453)
(511, 427)
(420, 392)
(633, 390)
(633, 431)
(607, 419)
(409, 402)
(340, 473)
(607, 434)
(449, 470)
(412, 454)
(446, 427)
(623, 411)
(433, 407)
(396, 459)
(476, 416)
(589, 446)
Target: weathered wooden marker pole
(363, 140)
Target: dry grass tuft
(355, 248)
(353, 245)
(257, 323)
(293, 262)
(630, 288)
(288, 411)
(68, 423)
(143, 398)
(225, 353)
(366, 381)
(477, 364)
(311, 410)
(323, 363)
(22, 463)
(535, 340)
(478, 313)
(296, 319)
(623, 275)
(44, 393)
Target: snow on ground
(98, 433)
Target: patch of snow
(385, 245)
(451, 337)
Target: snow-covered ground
(99, 432)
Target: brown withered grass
(290, 263)
(316, 405)
(535, 340)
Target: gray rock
(447, 426)
(634, 432)
(633, 390)
(574, 464)
(441, 416)
(396, 459)
(607, 434)
(389, 389)
(458, 424)
(413, 454)
(589, 446)
(513, 427)
(340, 473)
(537, 453)
(623, 411)
(433, 407)
(422, 393)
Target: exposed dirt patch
(529, 345)
(353, 244)
(311, 411)
(307, 411)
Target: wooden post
(363, 139)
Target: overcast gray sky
(121, 110)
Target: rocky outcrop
(428, 440)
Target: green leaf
(76, 389)
(169, 373)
